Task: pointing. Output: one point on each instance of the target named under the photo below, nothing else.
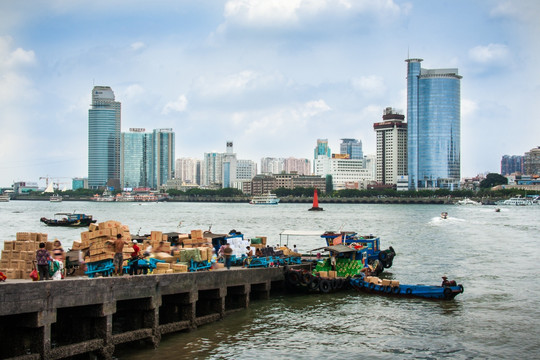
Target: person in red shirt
(134, 264)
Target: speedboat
(444, 215)
(468, 201)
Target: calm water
(494, 255)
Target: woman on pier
(43, 257)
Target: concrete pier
(60, 319)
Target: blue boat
(447, 291)
(69, 220)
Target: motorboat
(444, 215)
(468, 201)
(55, 198)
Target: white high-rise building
(391, 147)
(187, 170)
(343, 171)
(212, 170)
(298, 166)
(271, 165)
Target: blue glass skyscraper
(104, 139)
(163, 157)
(352, 147)
(137, 153)
(434, 120)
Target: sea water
(495, 255)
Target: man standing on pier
(227, 253)
(118, 254)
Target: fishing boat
(315, 206)
(266, 199)
(55, 198)
(446, 291)
(69, 220)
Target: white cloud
(313, 108)
(235, 83)
(175, 106)
(371, 85)
(137, 45)
(489, 54)
(278, 13)
(468, 107)
(14, 58)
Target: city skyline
(271, 76)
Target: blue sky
(273, 76)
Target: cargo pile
(96, 243)
(18, 256)
(382, 282)
(344, 267)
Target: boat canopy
(302, 232)
(336, 248)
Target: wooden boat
(69, 220)
(447, 291)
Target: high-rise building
(163, 157)
(272, 165)
(352, 147)
(322, 148)
(137, 152)
(298, 166)
(229, 166)
(391, 147)
(245, 169)
(343, 171)
(531, 161)
(188, 170)
(434, 120)
(212, 170)
(104, 120)
(511, 164)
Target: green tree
(493, 179)
(329, 184)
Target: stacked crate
(195, 240)
(18, 256)
(98, 242)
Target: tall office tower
(162, 157)
(433, 117)
(187, 170)
(298, 166)
(212, 170)
(229, 166)
(104, 118)
(391, 147)
(137, 152)
(531, 161)
(352, 147)
(511, 164)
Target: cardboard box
(159, 271)
(204, 254)
(93, 227)
(169, 271)
(179, 268)
(165, 238)
(386, 282)
(323, 274)
(161, 265)
(19, 246)
(394, 283)
(332, 274)
(110, 224)
(25, 236)
(15, 255)
(9, 245)
(7, 254)
(196, 234)
(156, 236)
(76, 245)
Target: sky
(273, 76)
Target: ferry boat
(55, 198)
(125, 197)
(106, 197)
(516, 201)
(69, 220)
(267, 199)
